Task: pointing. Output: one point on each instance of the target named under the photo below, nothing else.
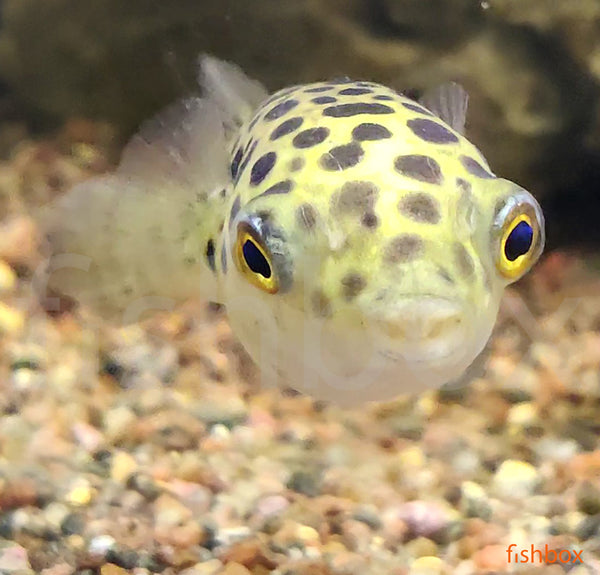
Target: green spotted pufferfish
(360, 243)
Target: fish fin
(184, 144)
(474, 371)
(449, 102)
(236, 95)
(121, 249)
(116, 240)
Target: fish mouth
(423, 328)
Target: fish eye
(521, 239)
(253, 259)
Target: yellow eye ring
(517, 244)
(253, 260)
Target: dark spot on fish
(370, 132)
(254, 121)
(310, 137)
(355, 197)
(416, 108)
(210, 255)
(354, 91)
(262, 167)
(235, 208)
(352, 284)
(464, 261)
(475, 168)
(286, 127)
(342, 157)
(306, 216)
(384, 97)
(317, 89)
(246, 160)
(235, 164)
(283, 187)
(403, 248)
(281, 109)
(463, 185)
(369, 220)
(444, 274)
(355, 109)
(296, 164)
(324, 100)
(420, 207)
(431, 131)
(417, 167)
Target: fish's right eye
(253, 260)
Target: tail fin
(138, 238)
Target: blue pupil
(255, 260)
(519, 241)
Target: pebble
(100, 545)
(8, 278)
(59, 569)
(491, 558)
(80, 493)
(87, 436)
(421, 547)
(368, 514)
(306, 482)
(123, 466)
(174, 523)
(516, 479)
(423, 518)
(210, 567)
(18, 241)
(13, 558)
(250, 553)
(356, 535)
(12, 320)
(221, 406)
(118, 423)
(110, 569)
(122, 556)
(428, 565)
(522, 416)
(474, 501)
(55, 514)
(346, 563)
(73, 524)
(588, 498)
(588, 527)
(235, 569)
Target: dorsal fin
(184, 144)
(236, 95)
(188, 141)
(449, 102)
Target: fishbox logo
(537, 555)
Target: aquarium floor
(152, 449)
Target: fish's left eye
(517, 244)
(519, 239)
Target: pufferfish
(359, 242)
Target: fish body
(359, 241)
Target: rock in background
(532, 68)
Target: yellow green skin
(384, 238)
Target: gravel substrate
(150, 449)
